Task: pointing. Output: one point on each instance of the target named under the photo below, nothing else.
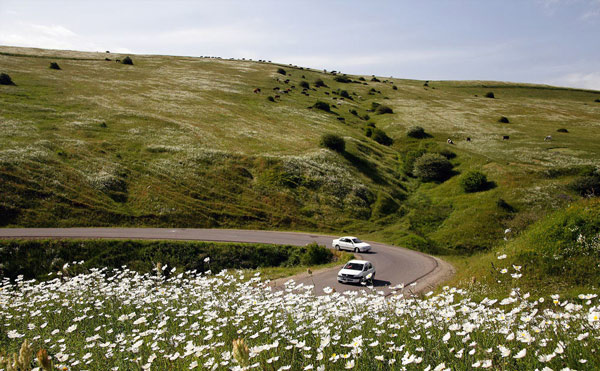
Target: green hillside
(186, 142)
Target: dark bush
(354, 112)
(505, 205)
(333, 142)
(304, 84)
(384, 205)
(416, 132)
(381, 137)
(474, 181)
(597, 100)
(361, 79)
(127, 60)
(383, 109)
(345, 94)
(586, 185)
(366, 117)
(447, 153)
(342, 78)
(5, 79)
(319, 83)
(432, 167)
(395, 87)
(54, 66)
(281, 71)
(316, 255)
(562, 130)
(375, 79)
(103, 124)
(408, 161)
(504, 120)
(368, 131)
(270, 98)
(489, 94)
(322, 106)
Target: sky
(554, 42)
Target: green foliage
(432, 167)
(368, 131)
(409, 158)
(324, 106)
(319, 83)
(588, 185)
(270, 98)
(304, 84)
(345, 94)
(384, 205)
(281, 71)
(416, 132)
(381, 137)
(383, 109)
(447, 153)
(562, 130)
(127, 60)
(394, 87)
(375, 79)
(489, 95)
(474, 181)
(342, 78)
(333, 142)
(36, 258)
(5, 79)
(54, 66)
(504, 120)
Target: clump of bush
(489, 94)
(342, 78)
(384, 205)
(319, 83)
(270, 98)
(416, 132)
(383, 109)
(432, 167)
(501, 203)
(597, 100)
(315, 254)
(54, 66)
(504, 120)
(447, 153)
(324, 106)
(474, 181)
(5, 79)
(588, 185)
(381, 137)
(562, 130)
(333, 142)
(361, 79)
(281, 71)
(345, 94)
(304, 84)
(375, 79)
(409, 158)
(394, 87)
(369, 129)
(127, 60)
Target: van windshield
(354, 266)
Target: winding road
(394, 265)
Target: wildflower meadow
(122, 320)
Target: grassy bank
(38, 258)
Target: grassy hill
(186, 142)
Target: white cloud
(579, 80)
(37, 35)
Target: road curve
(394, 265)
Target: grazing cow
(468, 139)
(326, 93)
(276, 88)
(293, 86)
(288, 90)
(505, 137)
(118, 60)
(277, 97)
(287, 81)
(548, 138)
(450, 141)
(257, 90)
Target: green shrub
(345, 94)
(505, 205)
(384, 205)
(474, 181)
(127, 60)
(333, 142)
(394, 87)
(504, 120)
(562, 130)
(361, 79)
(409, 158)
(375, 79)
(597, 100)
(54, 66)
(5, 79)
(432, 167)
(319, 83)
(381, 137)
(586, 185)
(304, 84)
(489, 95)
(354, 112)
(342, 78)
(281, 71)
(416, 132)
(324, 106)
(366, 117)
(383, 109)
(368, 131)
(315, 255)
(270, 98)
(447, 153)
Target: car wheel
(356, 249)
(337, 247)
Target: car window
(354, 266)
(356, 240)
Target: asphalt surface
(394, 265)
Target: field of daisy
(123, 320)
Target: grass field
(181, 141)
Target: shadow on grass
(364, 166)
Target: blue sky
(539, 41)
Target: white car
(350, 243)
(357, 271)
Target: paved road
(394, 265)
